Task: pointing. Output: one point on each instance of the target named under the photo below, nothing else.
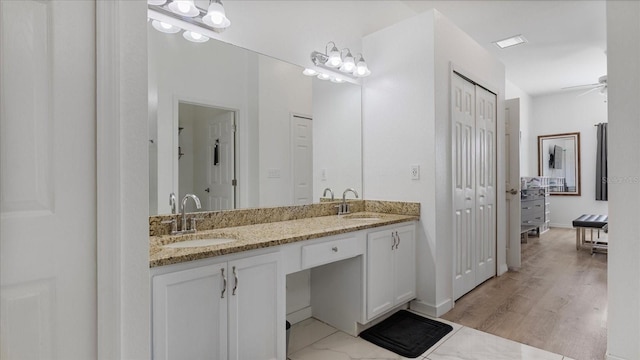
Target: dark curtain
(601, 164)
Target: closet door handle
(224, 284)
(397, 236)
(235, 285)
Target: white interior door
(302, 159)
(218, 187)
(512, 170)
(48, 180)
(485, 159)
(464, 183)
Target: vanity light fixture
(333, 60)
(198, 24)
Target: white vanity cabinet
(391, 268)
(225, 310)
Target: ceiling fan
(601, 85)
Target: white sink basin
(197, 243)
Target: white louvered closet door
(474, 175)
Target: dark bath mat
(406, 333)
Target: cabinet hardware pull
(393, 236)
(224, 284)
(397, 236)
(235, 285)
(468, 198)
(334, 249)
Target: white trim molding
(123, 300)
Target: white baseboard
(561, 226)
(611, 357)
(299, 315)
(502, 268)
(430, 309)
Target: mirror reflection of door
(207, 164)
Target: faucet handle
(193, 223)
(343, 208)
(174, 225)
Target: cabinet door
(256, 308)
(380, 272)
(405, 264)
(190, 314)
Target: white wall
(283, 90)
(511, 92)
(406, 121)
(337, 137)
(455, 47)
(562, 113)
(623, 48)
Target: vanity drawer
(330, 251)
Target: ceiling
(566, 39)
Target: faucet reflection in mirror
(173, 16)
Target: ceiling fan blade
(580, 86)
(591, 90)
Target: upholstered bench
(591, 222)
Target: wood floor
(557, 301)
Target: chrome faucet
(324, 194)
(183, 229)
(172, 202)
(344, 207)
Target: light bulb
(337, 80)
(165, 27)
(361, 69)
(184, 8)
(216, 16)
(334, 59)
(323, 76)
(195, 37)
(348, 65)
(310, 72)
(156, 2)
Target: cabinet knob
(334, 249)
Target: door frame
(122, 161)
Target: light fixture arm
(326, 48)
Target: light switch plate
(415, 172)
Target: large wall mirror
(240, 129)
(559, 159)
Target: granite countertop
(250, 237)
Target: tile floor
(315, 340)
